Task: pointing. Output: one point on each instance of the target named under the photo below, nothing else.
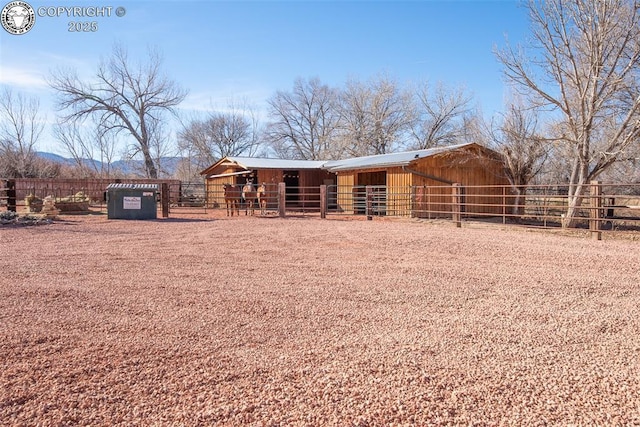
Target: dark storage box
(132, 201)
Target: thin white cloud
(30, 74)
(197, 102)
(22, 78)
(225, 99)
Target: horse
(249, 195)
(232, 199)
(262, 198)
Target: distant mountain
(169, 165)
(54, 157)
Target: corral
(268, 321)
(611, 208)
(467, 164)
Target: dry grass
(255, 321)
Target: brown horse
(262, 198)
(249, 195)
(232, 197)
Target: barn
(417, 182)
(296, 174)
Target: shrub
(8, 215)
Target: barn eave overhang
(377, 166)
(224, 175)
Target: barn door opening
(248, 177)
(291, 179)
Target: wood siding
(344, 196)
(407, 192)
(469, 171)
(214, 187)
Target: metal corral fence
(604, 206)
(187, 197)
(611, 205)
(277, 199)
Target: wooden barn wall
(269, 176)
(214, 186)
(310, 182)
(307, 177)
(470, 172)
(316, 177)
(432, 200)
(406, 192)
(344, 197)
(399, 183)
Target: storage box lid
(133, 186)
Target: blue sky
(247, 50)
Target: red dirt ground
(300, 321)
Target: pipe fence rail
(601, 207)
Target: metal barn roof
(367, 162)
(388, 160)
(258, 163)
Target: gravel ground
(301, 321)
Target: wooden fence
(13, 192)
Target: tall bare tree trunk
(585, 70)
(125, 98)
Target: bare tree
(588, 72)
(524, 151)
(439, 116)
(231, 133)
(92, 150)
(626, 169)
(375, 116)
(20, 129)
(124, 98)
(304, 122)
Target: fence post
(595, 214)
(323, 201)
(369, 202)
(164, 199)
(11, 195)
(504, 205)
(455, 205)
(282, 199)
